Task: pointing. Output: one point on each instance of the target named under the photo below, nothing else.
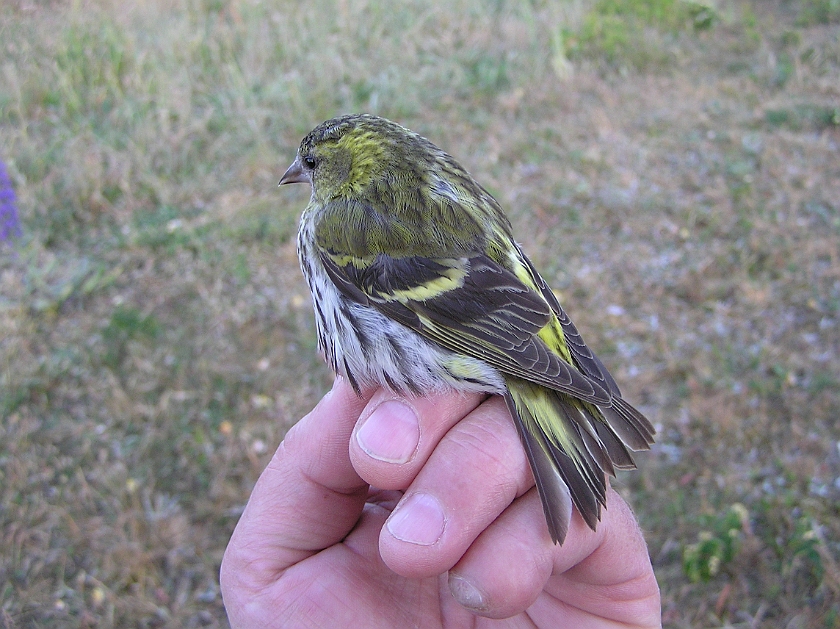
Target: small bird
(419, 286)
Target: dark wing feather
(492, 316)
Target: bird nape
(418, 286)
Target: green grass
(671, 166)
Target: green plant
(716, 545)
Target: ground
(672, 167)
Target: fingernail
(418, 520)
(466, 593)
(391, 433)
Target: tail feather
(575, 442)
(587, 500)
(620, 457)
(572, 446)
(630, 425)
(559, 458)
(553, 492)
(598, 451)
(588, 427)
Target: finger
(308, 497)
(507, 567)
(395, 435)
(615, 581)
(604, 573)
(477, 469)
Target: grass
(671, 166)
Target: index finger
(308, 498)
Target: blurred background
(671, 166)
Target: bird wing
(473, 306)
(583, 357)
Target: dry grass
(676, 179)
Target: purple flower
(9, 222)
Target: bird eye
(310, 162)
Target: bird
(419, 286)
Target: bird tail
(571, 446)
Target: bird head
(409, 195)
(345, 156)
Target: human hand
(453, 535)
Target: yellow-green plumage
(418, 285)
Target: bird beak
(294, 174)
